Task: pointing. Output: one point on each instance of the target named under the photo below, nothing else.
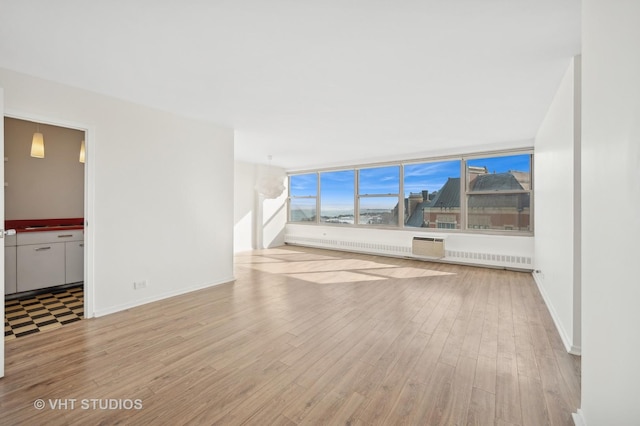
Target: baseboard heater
(428, 247)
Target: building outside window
(498, 191)
(476, 193)
(432, 195)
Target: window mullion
(401, 198)
(318, 198)
(464, 179)
(356, 199)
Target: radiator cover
(428, 247)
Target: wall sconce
(37, 144)
(82, 151)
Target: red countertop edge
(45, 224)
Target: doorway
(45, 202)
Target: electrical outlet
(139, 284)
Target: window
(499, 193)
(477, 193)
(303, 190)
(432, 195)
(336, 197)
(378, 190)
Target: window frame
(290, 197)
(449, 159)
(358, 195)
(465, 189)
(464, 194)
(319, 201)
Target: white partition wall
(557, 208)
(610, 212)
(163, 192)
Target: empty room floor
(306, 336)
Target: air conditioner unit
(428, 247)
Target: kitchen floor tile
(43, 312)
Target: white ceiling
(313, 83)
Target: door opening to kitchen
(44, 203)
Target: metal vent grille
(428, 247)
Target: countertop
(40, 225)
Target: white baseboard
(575, 350)
(578, 418)
(140, 302)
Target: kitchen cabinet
(48, 258)
(10, 258)
(74, 261)
(40, 266)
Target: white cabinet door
(74, 258)
(10, 282)
(40, 266)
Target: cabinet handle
(65, 236)
(43, 248)
(81, 245)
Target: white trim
(89, 186)
(578, 418)
(2, 217)
(118, 308)
(28, 116)
(487, 150)
(573, 350)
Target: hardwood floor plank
(383, 401)
(557, 396)
(456, 406)
(271, 408)
(482, 408)
(434, 400)
(345, 414)
(534, 408)
(420, 344)
(508, 407)
(486, 373)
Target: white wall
(556, 150)
(259, 222)
(610, 212)
(274, 212)
(161, 191)
(460, 247)
(244, 215)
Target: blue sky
(337, 187)
(429, 176)
(302, 185)
(518, 163)
(336, 190)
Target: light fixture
(82, 151)
(270, 183)
(37, 144)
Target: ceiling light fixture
(82, 151)
(37, 144)
(271, 183)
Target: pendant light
(82, 151)
(37, 144)
(270, 183)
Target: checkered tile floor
(42, 312)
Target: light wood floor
(310, 337)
